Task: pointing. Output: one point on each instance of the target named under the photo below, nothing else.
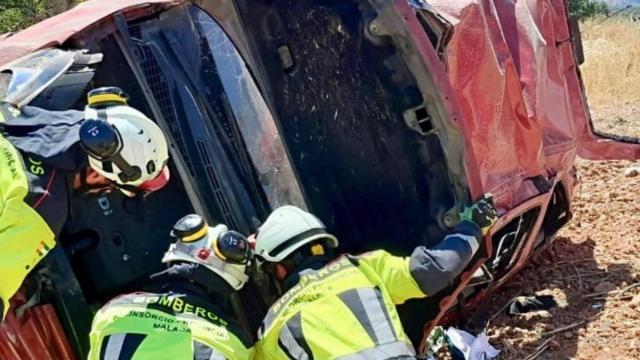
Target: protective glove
(482, 213)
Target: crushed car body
(383, 117)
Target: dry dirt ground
(592, 267)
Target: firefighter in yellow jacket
(46, 154)
(344, 308)
(186, 313)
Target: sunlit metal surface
(32, 74)
(254, 119)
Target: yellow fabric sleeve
(394, 274)
(25, 238)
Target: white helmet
(123, 144)
(223, 251)
(287, 229)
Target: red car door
(514, 67)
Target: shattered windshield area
(256, 123)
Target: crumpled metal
(512, 67)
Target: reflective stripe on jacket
(25, 238)
(162, 326)
(346, 310)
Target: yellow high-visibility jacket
(25, 238)
(148, 326)
(31, 169)
(346, 310)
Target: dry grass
(612, 62)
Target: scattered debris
(596, 295)
(564, 328)
(525, 304)
(544, 346)
(502, 309)
(627, 289)
(468, 347)
(458, 345)
(437, 341)
(597, 306)
(632, 171)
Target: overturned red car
(382, 117)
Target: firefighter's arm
(429, 270)
(24, 240)
(434, 268)
(24, 236)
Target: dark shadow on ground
(568, 271)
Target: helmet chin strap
(129, 190)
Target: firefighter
(344, 308)
(45, 155)
(187, 313)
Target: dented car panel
(382, 117)
(34, 335)
(510, 87)
(514, 70)
(56, 30)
